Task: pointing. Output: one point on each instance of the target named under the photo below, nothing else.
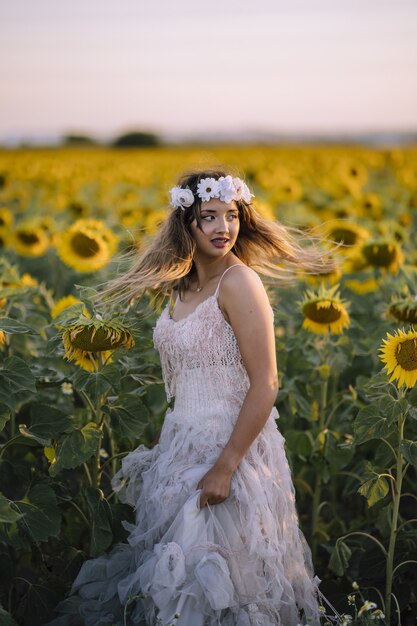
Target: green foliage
(101, 517)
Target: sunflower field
(80, 385)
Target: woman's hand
(215, 486)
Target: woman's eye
(207, 217)
(233, 217)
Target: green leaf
(46, 422)
(42, 518)
(101, 516)
(5, 415)
(7, 514)
(391, 407)
(409, 450)
(374, 489)
(412, 396)
(339, 560)
(300, 442)
(377, 386)
(128, 417)
(37, 605)
(370, 424)
(13, 327)
(5, 618)
(76, 448)
(17, 383)
(98, 383)
(336, 454)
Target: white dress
(243, 562)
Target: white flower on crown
(208, 188)
(227, 189)
(242, 190)
(181, 197)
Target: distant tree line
(132, 139)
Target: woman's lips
(220, 242)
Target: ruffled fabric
(243, 562)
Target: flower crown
(225, 188)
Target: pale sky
(186, 66)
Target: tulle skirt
(243, 562)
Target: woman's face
(219, 228)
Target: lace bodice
(201, 361)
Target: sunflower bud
(324, 371)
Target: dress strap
(216, 293)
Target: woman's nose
(222, 226)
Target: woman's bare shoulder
(241, 277)
(242, 285)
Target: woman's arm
(245, 304)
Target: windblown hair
(273, 250)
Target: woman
(216, 538)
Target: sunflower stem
(318, 480)
(394, 521)
(315, 515)
(99, 420)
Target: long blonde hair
(166, 262)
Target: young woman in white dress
(216, 539)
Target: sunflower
(84, 249)
(2, 337)
(101, 229)
(87, 337)
(352, 176)
(383, 254)
(392, 229)
(404, 309)
(29, 240)
(286, 189)
(78, 209)
(399, 353)
(370, 205)
(343, 231)
(324, 311)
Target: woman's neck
(208, 270)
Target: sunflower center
(381, 254)
(97, 341)
(344, 235)
(404, 314)
(84, 246)
(27, 237)
(322, 315)
(406, 354)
